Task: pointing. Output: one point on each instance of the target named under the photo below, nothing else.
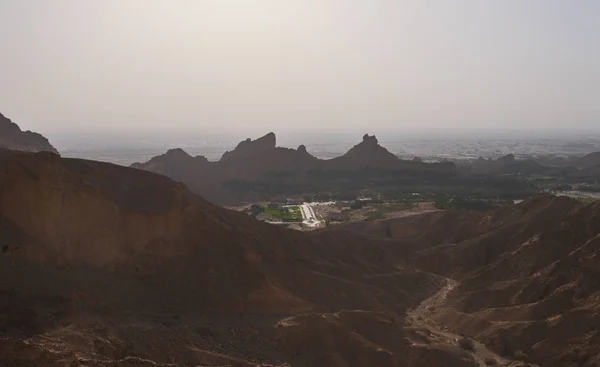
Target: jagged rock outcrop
(249, 148)
(367, 153)
(258, 167)
(12, 137)
(255, 159)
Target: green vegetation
(467, 204)
(4, 249)
(286, 214)
(591, 188)
(376, 216)
(587, 200)
(357, 205)
(256, 210)
(540, 178)
(451, 191)
(394, 186)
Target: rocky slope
(197, 172)
(103, 265)
(527, 276)
(12, 137)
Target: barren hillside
(12, 137)
(526, 276)
(105, 265)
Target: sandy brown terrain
(103, 265)
(526, 276)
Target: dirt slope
(527, 276)
(104, 265)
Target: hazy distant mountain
(368, 153)
(588, 161)
(12, 137)
(253, 159)
(259, 166)
(508, 164)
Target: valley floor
(420, 320)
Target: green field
(286, 214)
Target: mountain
(197, 172)
(366, 153)
(251, 148)
(258, 169)
(12, 137)
(508, 164)
(524, 280)
(103, 265)
(252, 159)
(588, 161)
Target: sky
(316, 65)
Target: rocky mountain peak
(251, 147)
(177, 153)
(13, 138)
(370, 140)
(268, 141)
(509, 158)
(369, 145)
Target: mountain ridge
(12, 137)
(107, 265)
(261, 163)
(92, 249)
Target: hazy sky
(261, 65)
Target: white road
(309, 216)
